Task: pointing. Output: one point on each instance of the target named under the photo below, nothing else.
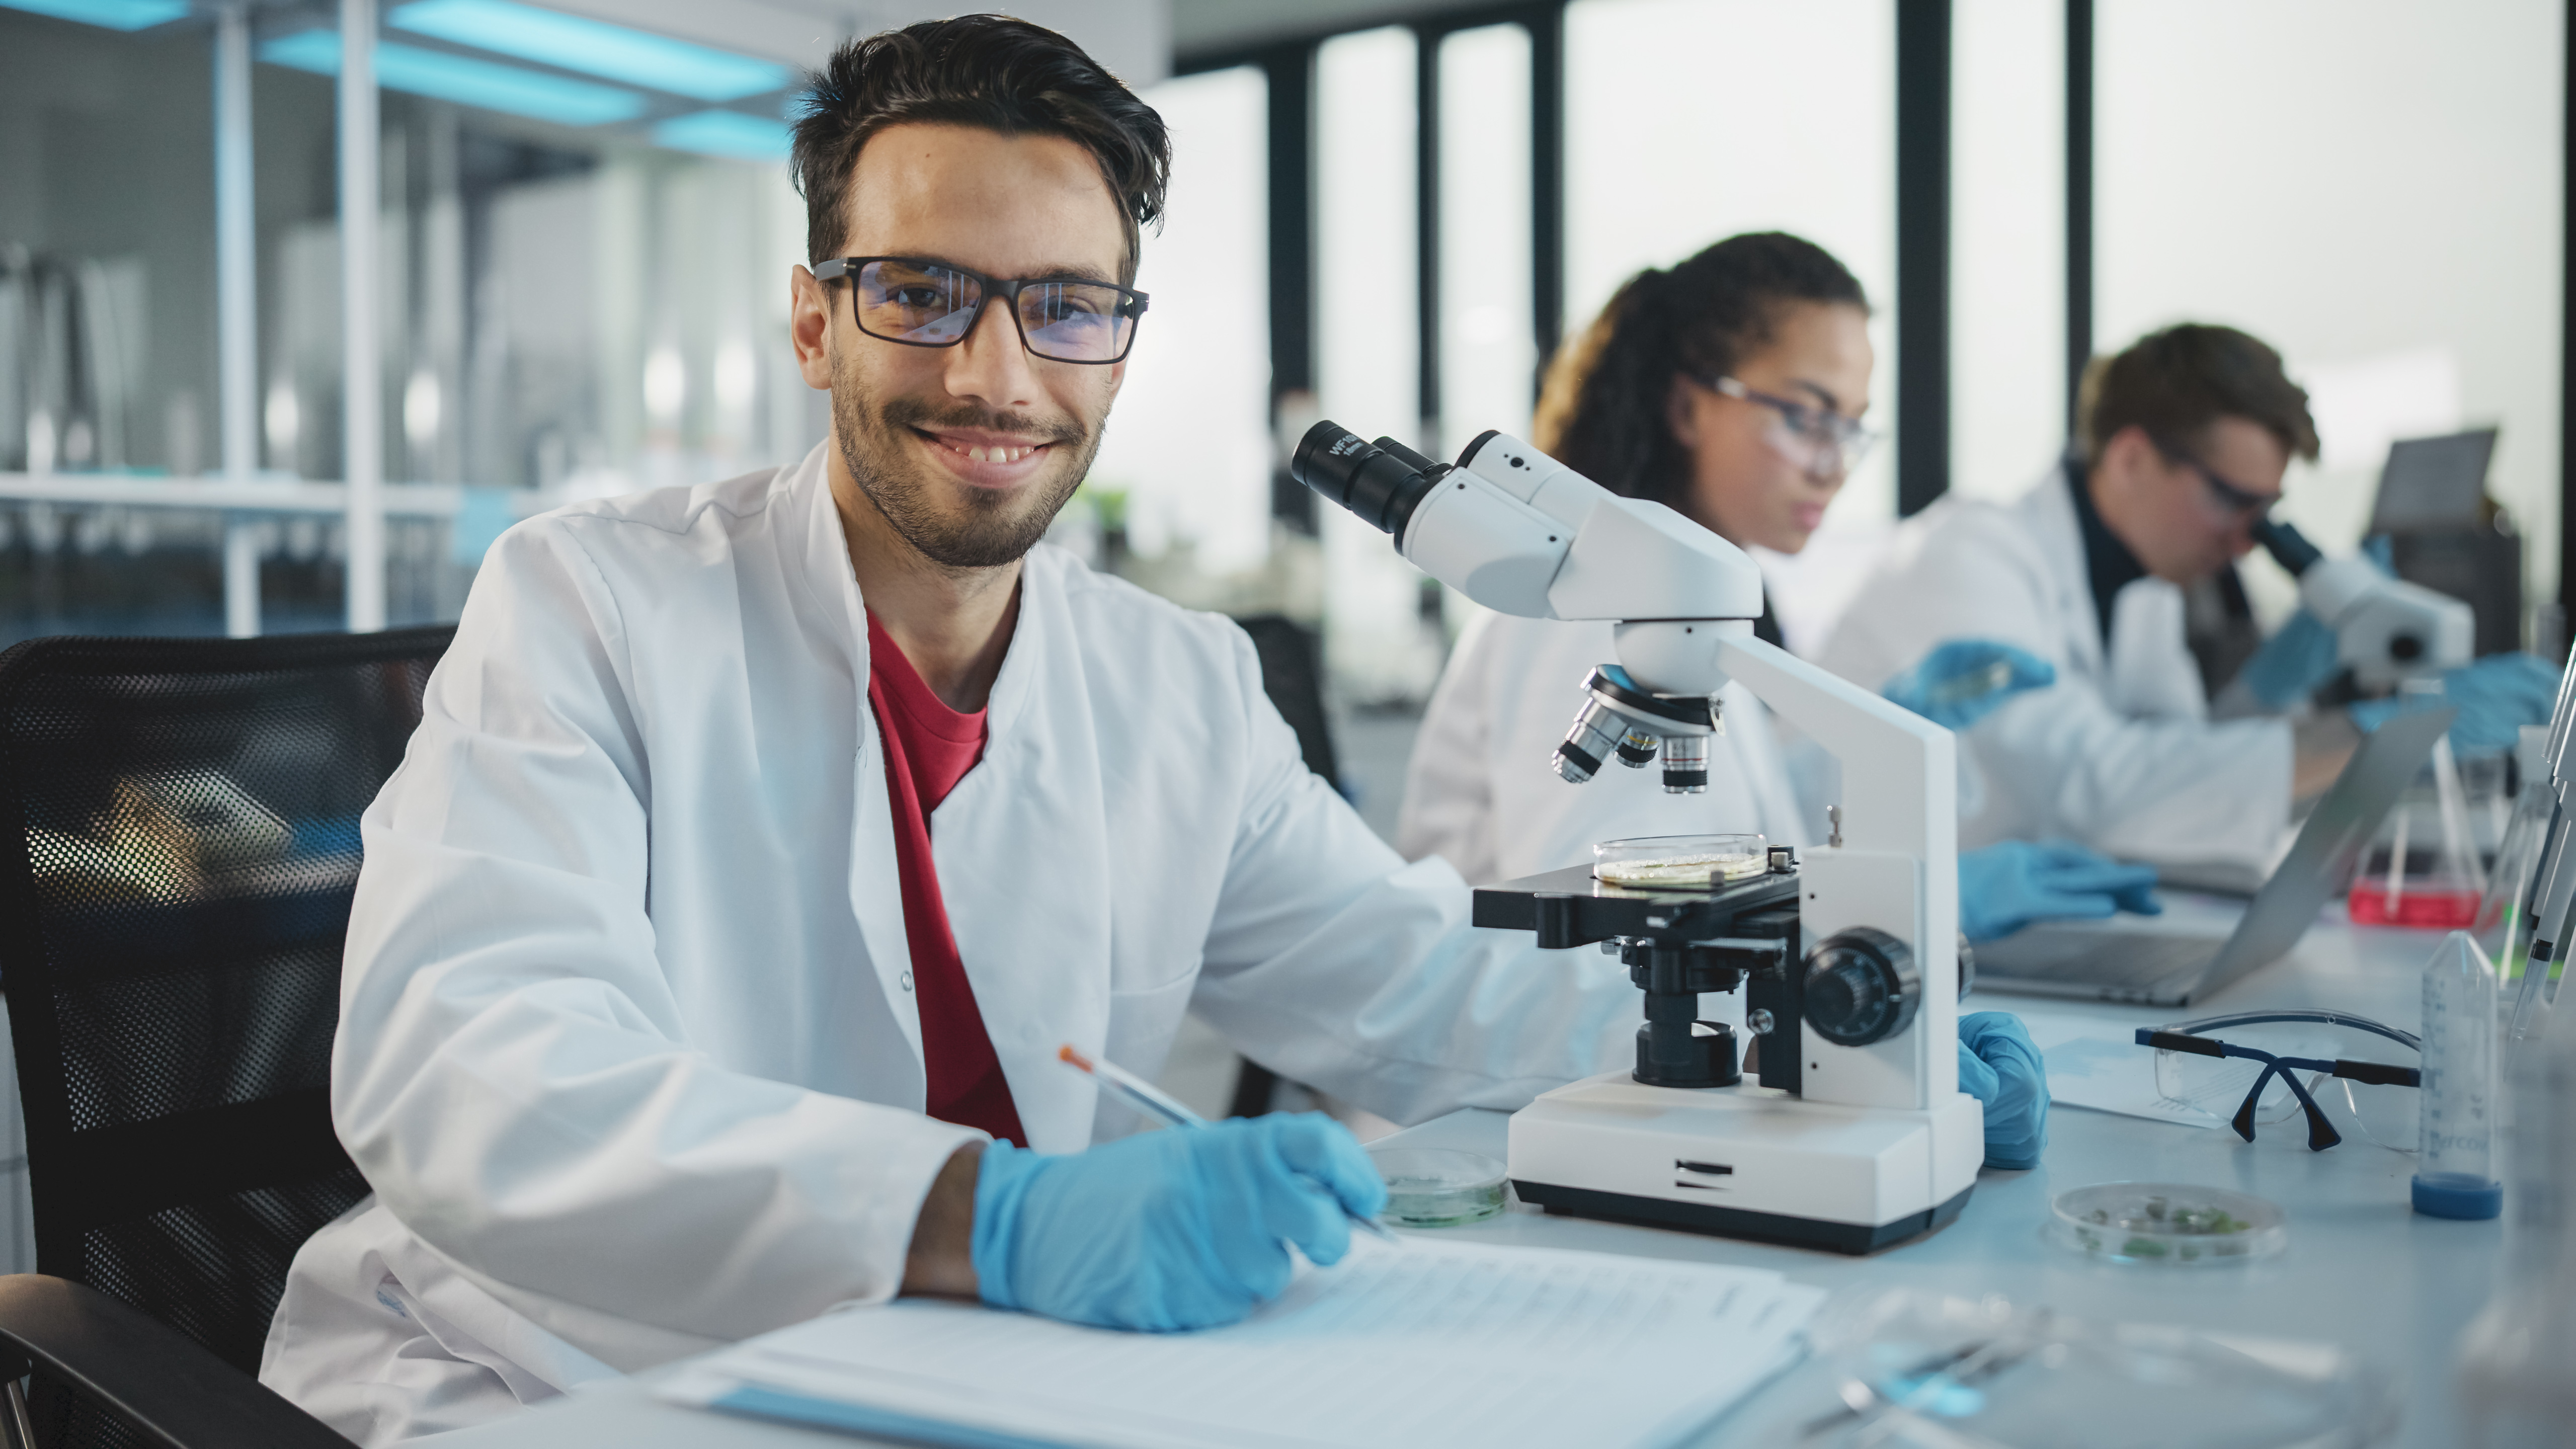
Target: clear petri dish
(1431, 1187)
(2166, 1224)
(1917, 1369)
(1680, 862)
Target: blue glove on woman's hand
(1183, 1228)
(2006, 886)
(1999, 1067)
(1963, 681)
(2495, 696)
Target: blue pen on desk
(1154, 1102)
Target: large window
(2007, 243)
(2372, 186)
(1488, 346)
(1368, 348)
(1190, 437)
(1692, 120)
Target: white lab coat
(1481, 792)
(628, 1047)
(2120, 754)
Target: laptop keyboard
(2135, 961)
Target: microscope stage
(1588, 909)
(1747, 1162)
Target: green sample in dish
(2166, 1224)
(1429, 1187)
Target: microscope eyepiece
(1380, 481)
(2289, 547)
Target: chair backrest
(178, 849)
(1292, 674)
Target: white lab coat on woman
(2120, 754)
(628, 1047)
(1481, 792)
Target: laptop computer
(2433, 482)
(2119, 960)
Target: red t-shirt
(928, 749)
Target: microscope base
(1747, 1162)
(1724, 1222)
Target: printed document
(1440, 1344)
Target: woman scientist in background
(1731, 388)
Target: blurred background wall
(1384, 213)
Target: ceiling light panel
(725, 133)
(593, 47)
(465, 80)
(114, 14)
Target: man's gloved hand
(2008, 885)
(2294, 663)
(1183, 1228)
(2495, 696)
(1999, 1067)
(1963, 681)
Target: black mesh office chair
(178, 847)
(1292, 674)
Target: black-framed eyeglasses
(1819, 440)
(2230, 498)
(2264, 1057)
(923, 303)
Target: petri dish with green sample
(1434, 1187)
(1679, 862)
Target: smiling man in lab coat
(2182, 443)
(762, 841)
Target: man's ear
(809, 327)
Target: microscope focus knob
(1862, 986)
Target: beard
(985, 530)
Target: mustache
(913, 412)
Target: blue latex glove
(2294, 663)
(2006, 886)
(1999, 1067)
(2495, 696)
(1184, 1228)
(1963, 681)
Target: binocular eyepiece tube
(1382, 482)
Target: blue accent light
(725, 133)
(114, 14)
(466, 81)
(593, 47)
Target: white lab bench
(2362, 1269)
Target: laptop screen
(2330, 846)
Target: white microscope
(1857, 1135)
(2386, 630)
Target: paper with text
(1443, 1344)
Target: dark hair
(987, 71)
(1603, 409)
(2177, 382)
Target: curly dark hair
(2177, 382)
(1603, 412)
(987, 71)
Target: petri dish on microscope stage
(1432, 1187)
(1679, 862)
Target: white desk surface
(2362, 1269)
